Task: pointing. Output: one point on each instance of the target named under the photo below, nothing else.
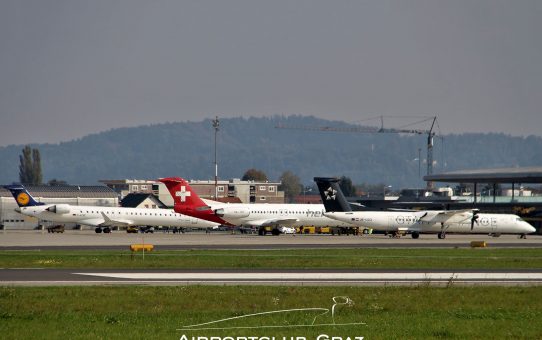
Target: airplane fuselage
(415, 222)
(294, 215)
(94, 215)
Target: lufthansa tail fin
(22, 196)
(331, 194)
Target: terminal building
(233, 190)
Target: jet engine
(232, 212)
(59, 208)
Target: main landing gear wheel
(275, 232)
(441, 236)
(415, 235)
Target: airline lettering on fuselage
(362, 219)
(183, 194)
(313, 213)
(485, 221)
(405, 219)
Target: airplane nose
(529, 228)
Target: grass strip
(362, 258)
(157, 312)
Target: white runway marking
(430, 276)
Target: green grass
(362, 258)
(138, 312)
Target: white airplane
(102, 218)
(416, 222)
(238, 214)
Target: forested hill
(186, 149)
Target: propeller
(473, 219)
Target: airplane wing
(273, 221)
(449, 216)
(93, 222)
(106, 222)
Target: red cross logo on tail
(183, 194)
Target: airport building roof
(503, 175)
(134, 200)
(66, 191)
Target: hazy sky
(73, 67)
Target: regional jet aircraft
(257, 214)
(102, 218)
(417, 222)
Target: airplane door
(391, 222)
(493, 222)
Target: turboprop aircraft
(238, 214)
(440, 222)
(102, 218)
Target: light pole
(216, 124)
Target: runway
(70, 277)
(88, 240)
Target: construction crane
(373, 129)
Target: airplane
(102, 218)
(469, 221)
(239, 214)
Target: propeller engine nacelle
(59, 209)
(232, 212)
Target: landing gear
(98, 230)
(275, 232)
(415, 235)
(523, 236)
(395, 234)
(442, 234)
(261, 231)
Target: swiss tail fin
(188, 202)
(182, 193)
(331, 194)
(22, 196)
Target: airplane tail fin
(331, 194)
(22, 196)
(183, 195)
(188, 202)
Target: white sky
(73, 67)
